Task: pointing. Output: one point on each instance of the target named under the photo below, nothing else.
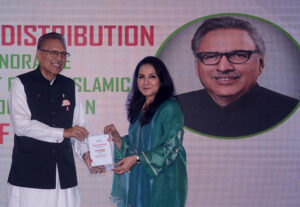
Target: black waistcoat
(33, 161)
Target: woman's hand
(125, 164)
(114, 135)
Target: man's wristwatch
(138, 159)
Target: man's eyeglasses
(55, 53)
(234, 57)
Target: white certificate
(100, 149)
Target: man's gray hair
(51, 35)
(227, 23)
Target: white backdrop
(258, 171)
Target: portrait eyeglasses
(55, 53)
(234, 57)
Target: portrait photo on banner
(236, 75)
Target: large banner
(106, 39)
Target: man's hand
(78, 132)
(88, 161)
(114, 135)
(98, 169)
(125, 164)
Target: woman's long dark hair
(136, 100)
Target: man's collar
(244, 99)
(40, 76)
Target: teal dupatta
(160, 180)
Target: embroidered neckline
(145, 107)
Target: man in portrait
(229, 56)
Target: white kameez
(32, 197)
(23, 126)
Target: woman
(152, 151)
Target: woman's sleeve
(159, 158)
(118, 155)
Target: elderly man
(230, 57)
(48, 121)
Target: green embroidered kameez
(160, 180)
